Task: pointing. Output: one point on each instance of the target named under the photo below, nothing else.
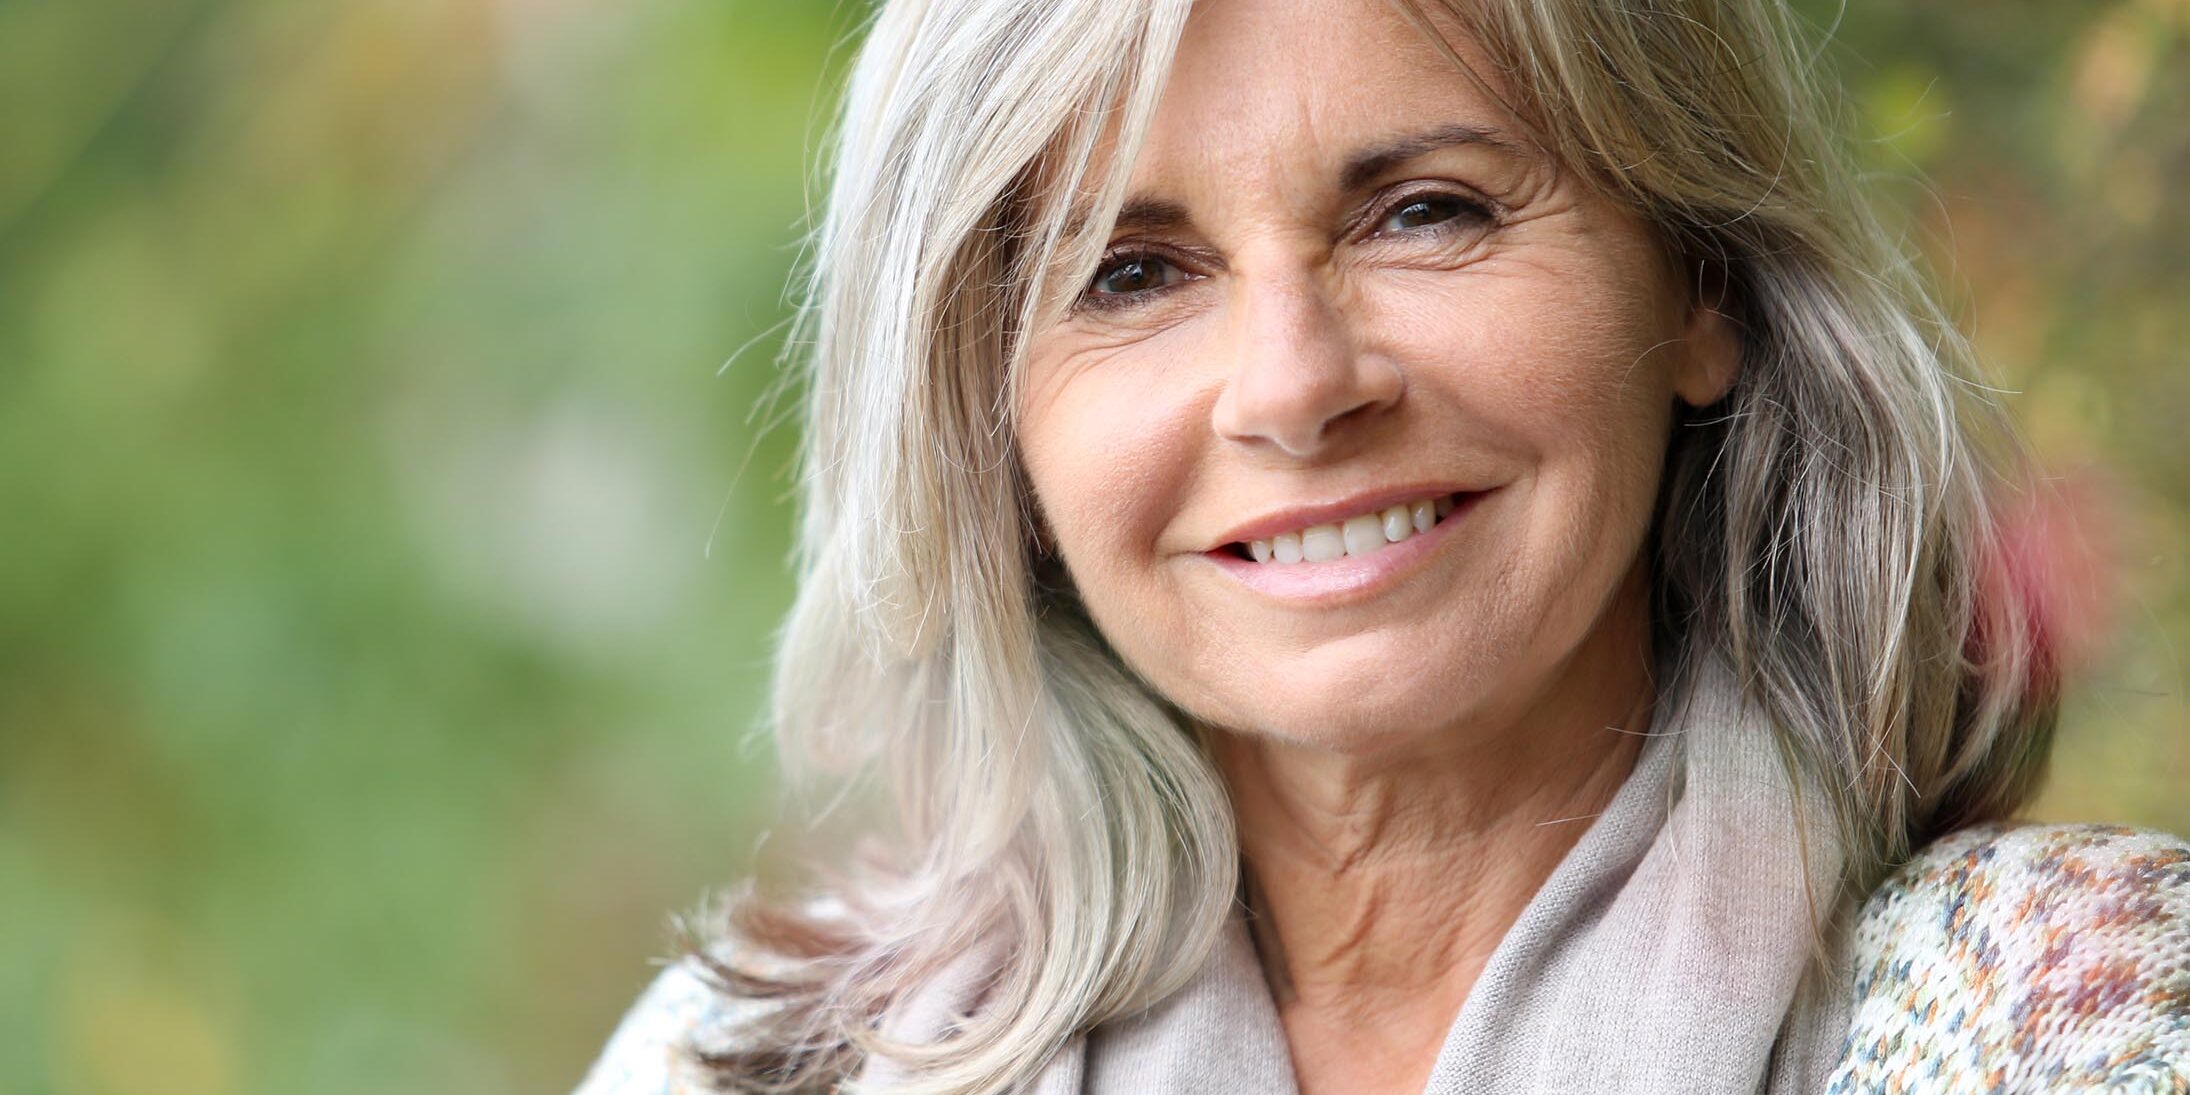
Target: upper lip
(1294, 518)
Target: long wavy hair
(963, 727)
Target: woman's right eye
(1131, 275)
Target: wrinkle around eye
(1139, 307)
(1459, 209)
(1101, 354)
(1093, 333)
(1446, 245)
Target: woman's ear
(1713, 339)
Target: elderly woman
(1393, 546)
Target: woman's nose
(1297, 370)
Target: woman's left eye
(1426, 211)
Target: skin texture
(1407, 767)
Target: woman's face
(1346, 303)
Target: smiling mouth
(1360, 535)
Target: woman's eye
(1424, 211)
(1132, 274)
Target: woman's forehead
(1334, 90)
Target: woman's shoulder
(2033, 956)
(646, 1055)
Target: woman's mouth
(1335, 563)
(1356, 536)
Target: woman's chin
(1361, 694)
(1350, 722)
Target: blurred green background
(369, 694)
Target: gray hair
(1826, 526)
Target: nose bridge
(1286, 300)
(1296, 366)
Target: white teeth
(1398, 524)
(1321, 543)
(1362, 535)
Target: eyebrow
(1364, 166)
(1150, 214)
(1143, 214)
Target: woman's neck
(1381, 884)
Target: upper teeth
(1353, 536)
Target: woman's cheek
(1108, 455)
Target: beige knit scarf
(1670, 953)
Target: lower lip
(1347, 578)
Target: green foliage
(369, 692)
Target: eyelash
(1471, 210)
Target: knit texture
(2026, 958)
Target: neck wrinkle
(1371, 885)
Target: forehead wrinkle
(1150, 213)
(1294, 121)
(1311, 150)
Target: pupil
(1418, 213)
